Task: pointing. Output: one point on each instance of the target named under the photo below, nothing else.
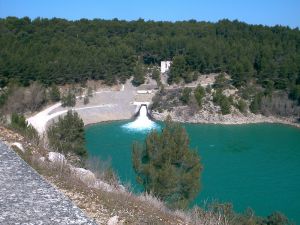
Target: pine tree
(69, 99)
(242, 106)
(255, 105)
(177, 70)
(54, 93)
(185, 95)
(67, 135)
(139, 75)
(199, 94)
(167, 167)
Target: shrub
(295, 93)
(177, 70)
(199, 93)
(67, 135)
(20, 99)
(255, 105)
(185, 95)
(223, 101)
(139, 75)
(69, 99)
(242, 106)
(19, 124)
(54, 94)
(208, 89)
(221, 82)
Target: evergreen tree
(167, 167)
(177, 70)
(225, 105)
(295, 93)
(199, 47)
(223, 101)
(139, 75)
(68, 100)
(185, 95)
(255, 105)
(242, 106)
(221, 82)
(155, 74)
(199, 93)
(54, 93)
(19, 124)
(67, 135)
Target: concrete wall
(165, 66)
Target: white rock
(56, 157)
(18, 145)
(42, 159)
(121, 188)
(104, 186)
(84, 175)
(113, 220)
(83, 172)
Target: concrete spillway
(142, 121)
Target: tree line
(61, 51)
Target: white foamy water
(142, 122)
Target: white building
(165, 66)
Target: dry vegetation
(102, 205)
(22, 99)
(96, 203)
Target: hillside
(61, 51)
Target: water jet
(143, 120)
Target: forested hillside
(60, 51)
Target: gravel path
(26, 198)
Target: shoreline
(245, 123)
(230, 119)
(260, 119)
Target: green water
(255, 166)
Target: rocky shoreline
(236, 118)
(208, 118)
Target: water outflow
(142, 122)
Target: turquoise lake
(255, 166)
